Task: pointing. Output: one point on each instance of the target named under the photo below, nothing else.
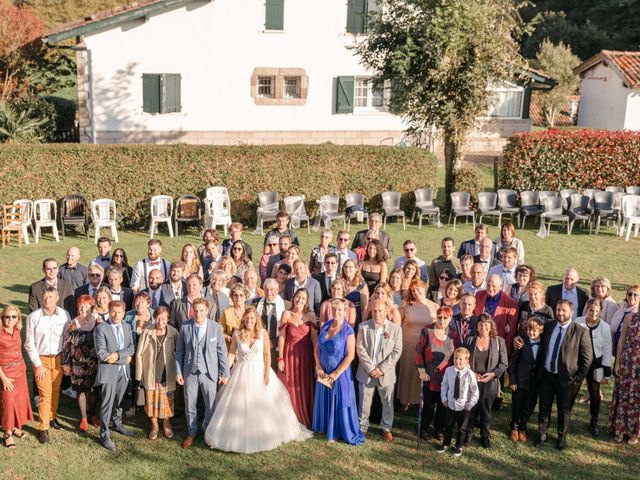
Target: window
(367, 97)
(359, 13)
(274, 15)
(161, 93)
(357, 94)
(507, 102)
(266, 86)
(291, 87)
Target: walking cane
(419, 416)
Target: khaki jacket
(146, 358)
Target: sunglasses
(343, 239)
(443, 277)
(407, 250)
(633, 294)
(94, 274)
(119, 255)
(11, 317)
(238, 249)
(273, 244)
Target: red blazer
(505, 314)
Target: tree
(558, 62)
(440, 57)
(27, 66)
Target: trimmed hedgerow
(469, 179)
(132, 174)
(557, 159)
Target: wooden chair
(11, 224)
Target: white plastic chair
(328, 212)
(630, 215)
(294, 206)
(45, 213)
(217, 208)
(103, 214)
(27, 215)
(267, 209)
(161, 212)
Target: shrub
(65, 114)
(132, 174)
(21, 123)
(469, 179)
(557, 159)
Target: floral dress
(624, 414)
(79, 354)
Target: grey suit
(389, 355)
(200, 363)
(114, 377)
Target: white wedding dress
(249, 415)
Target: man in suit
(201, 364)
(278, 253)
(564, 363)
(182, 310)
(326, 278)
(118, 292)
(161, 293)
(472, 247)
(72, 271)
(568, 290)
(501, 307)
(464, 323)
(114, 347)
(507, 269)
(176, 279)
(375, 222)
(270, 309)
(104, 252)
(154, 261)
(342, 249)
(65, 290)
(301, 279)
(379, 345)
(96, 277)
(446, 261)
(486, 258)
(250, 281)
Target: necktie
(456, 387)
(119, 337)
(465, 329)
(154, 300)
(554, 354)
(190, 310)
(197, 333)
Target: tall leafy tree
(440, 57)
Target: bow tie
(269, 303)
(535, 343)
(483, 261)
(155, 263)
(508, 271)
(105, 259)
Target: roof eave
(89, 28)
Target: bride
(253, 411)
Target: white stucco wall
(632, 117)
(603, 99)
(215, 46)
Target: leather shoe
(594, 429)
(188, 441)
(540, 440)
(122, 430)
(108, 444)
(56, 424)
(486, 443)
(514, 435)
(522, 436)
(561, 443)
(43, 436)
(388, 437)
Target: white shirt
(44, 334)
(469, 392)
(140, 274)
(468, 287)
(572, 296)
(377, 344)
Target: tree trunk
(451, 151)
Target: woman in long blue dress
(335, 411)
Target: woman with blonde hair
(230, 319)
(396, 283)
(338, 289)
(383, 292)
(228, 266)
(15, 406)
(601, 290)
(254, 411)
(191, 259)
(102, 298)
(357, 291)
(535, 305)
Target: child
(104, 253)
(522, 371)
(459, 393)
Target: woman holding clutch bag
(335, 411)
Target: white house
(242, 71)
(610, 91)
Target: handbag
(140, 397)
(326, 381)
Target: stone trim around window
(278, 96)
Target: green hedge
(557, 159)
(132, 174)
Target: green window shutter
(171, 93)
(396, 87)
(150, 93)
(274, 15)
(372, 10)
(356, 13)
(344, 94)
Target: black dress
(372, 279)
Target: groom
(201, 363)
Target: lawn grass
(74, 455)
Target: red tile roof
(564, 117)
(627, 64)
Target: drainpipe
(90, 81)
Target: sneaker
(71, 393)
(443, 449)
(36, 399)
(457, 452)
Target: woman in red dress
(14, 396)
(296, 341)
